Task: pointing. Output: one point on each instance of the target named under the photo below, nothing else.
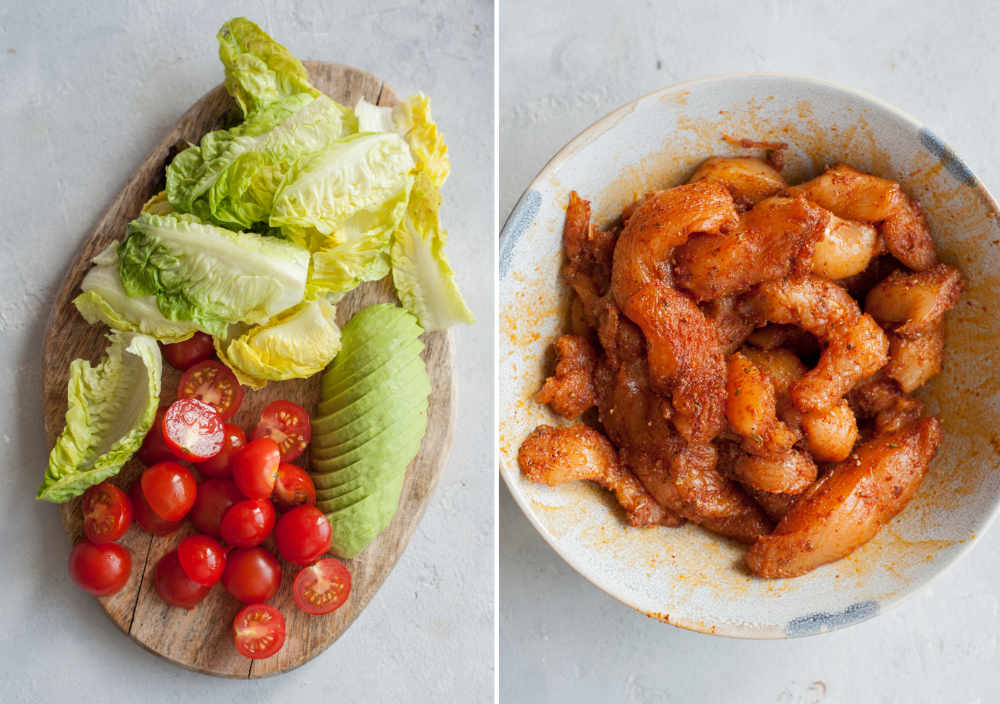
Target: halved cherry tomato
(146, 516)
(251, 575)
(154, 448)
(107, 513)
(255, 468)
(202, 558)
(218, 466)
(247, 523)
(215, 384)
(174, 586)
(196, 348)
(193, 430)
(288, 425)
(169, 489)
(322, 587)
(293, 488)
(259, 631)
(302, 535)
(100, 569)
(214, 498)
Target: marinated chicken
(751, 349)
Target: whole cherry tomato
(169, 489)
(302, 535)
(186, 353)
(251, 575)
(102, 569)
(248, 523)
(174, 586)
(202, 559)
(154, 448)
(255, 468)
(214, 498)
(146, 516)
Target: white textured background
(565, 64)
(86, 90)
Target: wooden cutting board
(201, 639)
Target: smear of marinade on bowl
(751, 348)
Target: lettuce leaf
(295, 344)
(343, 204)
(412, 121)
(231, 177)
(208, 275)
(104, 301)
(259, 71)
(424, 280)
(110, 409)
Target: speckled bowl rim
(522, 215)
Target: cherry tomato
(215, 384)
(293, 488)
(247, 523)
(174, 586)
(169, 489)
(107, 513)
(288, 425)
(100, 569)
(259, 631)
(322, 587)
(251, 575)
(193, 430)
(214, 498)
(196, 348)
(218, 466)
(146, 516)
(302, 535)
(202, 559)
(255, 468)
(154, 448)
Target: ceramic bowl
(687, 576)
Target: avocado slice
(391, 445)
(383, 346)
(361, 473)
(353, 528)
(386, 384)
(328, 406)
(338, 503)
(365, 427)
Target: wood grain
(201, 639)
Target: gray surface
(84, 94)
(568, 63)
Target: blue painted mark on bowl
(950, 160)
(824, 621)
(520, 219)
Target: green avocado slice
(391, 445)
(353, 528)
(383, 346)
(365, 427)
(382, 387)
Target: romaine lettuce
(209, 275)
(110, 409)
(424, 281)
(295, 344)
(104, 301)
(259, 71)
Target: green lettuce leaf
(110, 409)
(104, 301)
(412, 121)
(231, 177)
(295, 344)
(209, 275)
(424, 281)
(259, 71)
(343, 204)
